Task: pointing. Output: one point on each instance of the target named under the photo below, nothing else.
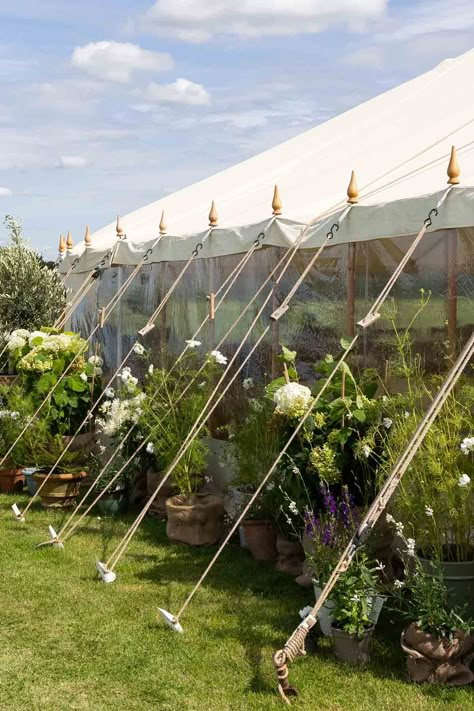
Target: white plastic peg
(170, 620)
(18, 515)
(106, 575)
(55, 542)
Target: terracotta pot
(11, 480)
(351, 649)
(290, 556)
(261, 539)
(8, 379)
(168, 490)
(61, 490)
(197, 520)
(438, 661)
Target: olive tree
(31, 292)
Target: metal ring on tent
(429, 221)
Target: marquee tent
(398, 143)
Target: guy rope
(295, 644)
(174, 620)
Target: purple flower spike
(329, 501)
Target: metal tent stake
(106, 575)
(295, 645)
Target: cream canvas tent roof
(398, 143)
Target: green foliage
(174, 401)
(31, 293)
(41, 358)
(435, 499)
(423, 599)
(352, 596)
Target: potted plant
(435, 498)
(174, 401)
(114, 500)
(15, 410)
(352, 627)
(439, 639)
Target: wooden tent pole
(351, 283)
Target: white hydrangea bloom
(138, 349)
(293, 399)
(21, 333)
(15, 342)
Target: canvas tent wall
(399, 145)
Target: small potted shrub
(439, 639)
(351, 626)
(114, 500)
(174, 400)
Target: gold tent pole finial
(87, 237)
(453, 168)
(276, 202)
(118, 227)
(163, 225)
(213, 219)
(353, 190)
(69, 242)
(62, 244)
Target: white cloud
(200, 20)
(429, 17)
(182, 91)
(72, 162)
(5, 192)
(117, 61)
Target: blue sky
(110, 104)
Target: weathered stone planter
(60, 490)
(459, 580)
(197, 520)
(351, 649)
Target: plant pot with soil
(352, 648)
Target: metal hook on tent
(197, 249)
(429, 221)
(260, 237)
(334, 228)
(147, 254)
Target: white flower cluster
(219, 357)
(191, 343)
(464, 481)
(129, 380)
(467, 445)
(138, 349)
(293, 399)
(12, 414)
(247, 383)
(119, 412)
(18, 339)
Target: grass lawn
(71, 642)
